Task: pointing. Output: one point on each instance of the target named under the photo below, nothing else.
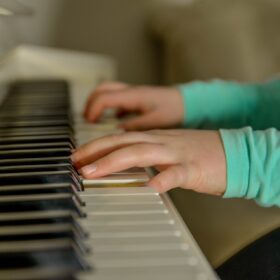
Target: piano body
(53, 223)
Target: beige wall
(115, 27)
(8, 34)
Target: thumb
(187, 177)
(168, 179)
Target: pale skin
(190, 159)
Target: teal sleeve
(253, 164)
(221, 104)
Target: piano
(54, 224)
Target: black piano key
(36, 153)
(23, 93)
(36, 133)
(32, 173)
(35, 161)
(58, 254)
(12, 95)
(48, 123)
(34, 274)
(40, 189)
(30, 113)
(25, 109)
(30, 116)
(12, 140)
(35, 95)
(30, 146)
(48, 177)
(28, 258)
(26, 106)
(20, 168)
(48, 273)
(55, 92)
(7, 115)
(22, 203)
(48, 217)
(24, 103)
(41, 231)
(21, 103)
(42, 217)
(52, 84)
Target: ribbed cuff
(237, 161)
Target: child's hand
(185, 158)
(159, 107)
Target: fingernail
(88, 169)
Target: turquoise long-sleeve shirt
(248, 118)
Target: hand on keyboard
(159, 107)
(185, 158)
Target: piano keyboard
(55, 225)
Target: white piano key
(120, 191)
(123, 256)
(123, 199)
(131, 241)
(139, 261)
(155, 273)
(116, 179)
(130, 222)
(123, 208)
(164, 248)
(131, 228)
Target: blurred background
(157, 41)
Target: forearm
(253, 164)
(221, 104)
